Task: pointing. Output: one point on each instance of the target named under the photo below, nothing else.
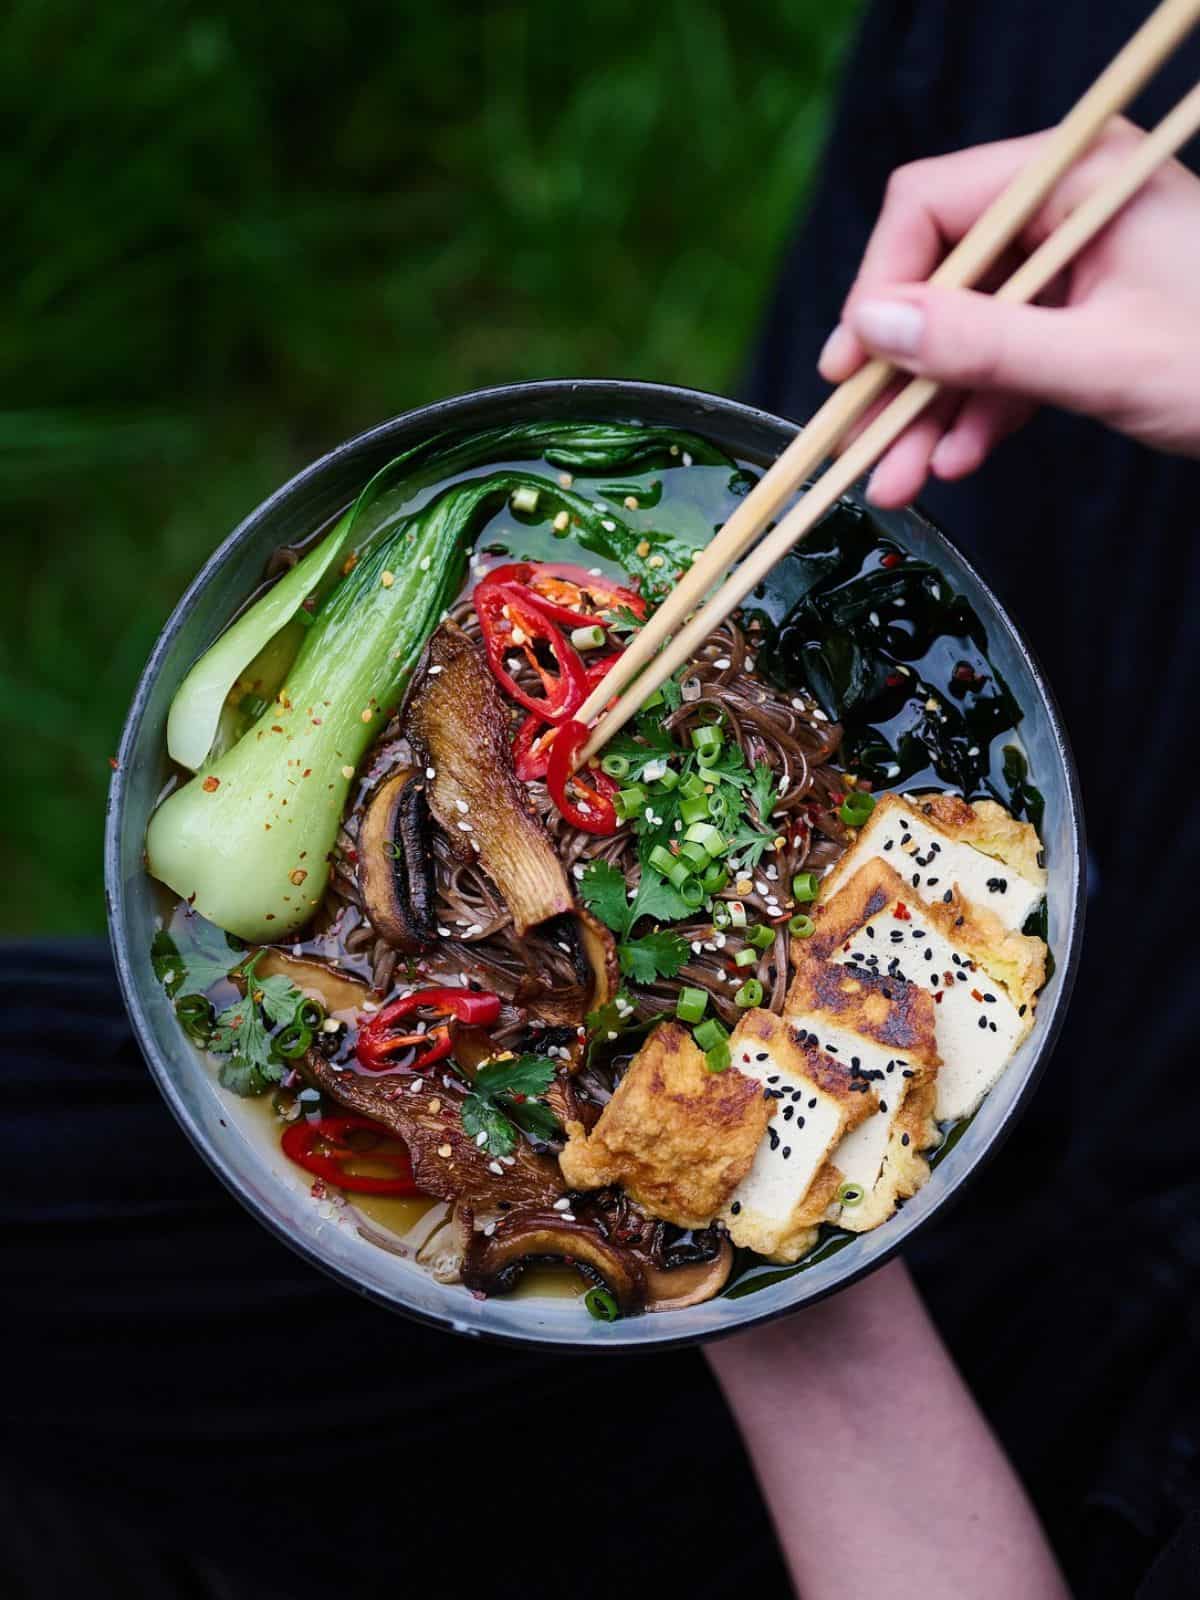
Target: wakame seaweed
(890, 650)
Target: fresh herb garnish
(242, 1032)
(492, 1108)
(764, 791)
(196, 963)
(654, 955)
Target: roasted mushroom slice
(426, 1112)
(493, 1265)
(395, 863)
(673, 1288)
(456, 718)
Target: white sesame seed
(433, 671)
(721, 663)
(686, 459)
(431, 773)
(494, 1166)
(444, 933)
(819, 716)
(608, 525)
(873, 618)
(562, 1205)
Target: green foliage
(493, 1105)
(247, 231)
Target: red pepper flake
(892, 559)
(211, 784)
(902, 913)
(975, 995)
(112, 761)
(893, 680)
(937, 999)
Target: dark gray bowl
(262, 1178)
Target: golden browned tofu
(940, 842)
(678, 1138)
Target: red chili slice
(531, 747)
(302, 1143)
(585, 797)
(377, 1043)
(513, 620)
(559, 587)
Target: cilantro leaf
(655, 955)
(657, 899)
(764, 790)
(202, 958)
(531, 1075)
(729, 767)
(623, 620)
(480, 1115)
(614, 1016)
(535, 1119)
(240, 1033)
(279, 999)
(602, 890)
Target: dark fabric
(189, 1409)
(1067, 1281)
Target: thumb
(974, 341)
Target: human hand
(1117, 338)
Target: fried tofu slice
(882, 1027)
(983, 977)
(791, 1186)
(940, 842)
(677, 1137)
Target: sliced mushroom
(671, 1289)
(457, 720)
(395, 863)
(337, 991)
(447, 1162)
(493, 1265)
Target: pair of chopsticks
(678, 629)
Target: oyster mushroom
(494, 1264)
(395, 863)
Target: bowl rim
(432, 416)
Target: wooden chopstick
(1129, 70)
(1028, 281)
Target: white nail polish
(893, 326)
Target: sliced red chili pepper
(302, 1143)
(585, 797)
(377, 1043)
(559, 587)
(512, 620)
(531, 747)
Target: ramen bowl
(256, 1171)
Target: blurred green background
(237, 234)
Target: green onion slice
(856, 808)
(851, 1194)
(718, 1058)
(802, 926)
(710, 1034)
(602, 1305)
(806, 886)
(691, 1004)
(750, 994)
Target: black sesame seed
(948, 896)
(735, 1208)
(787, 1150)
(958, 921)
(990, 998)
(983, 1022)
(799, 1122)
(761, 1056)
(961, 976)
(1041, 858)
(928, 953)
(916, 880)
(904, 1138)
(774, 1078)
(992, 1026)
(870, 933)
(812, 1104)
(931, 882)
(908, 1073)
(1021, 1012)
(773, 1137)
(889, 844)
(934, 980)
(997, 885)
(788, 1113)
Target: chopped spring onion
(856, 808)
(691, 1005)
(709, 756)
(802, 926)
(680, 872)
(710, 1034)
(630, 802)
(655, 699)
(589, 638)
(291, 1042)
(694, 809)
(693, 788)
(718, 806)
(695, 853)
(667, 779)
(703, 833)
(718, 1058)
(746, 957)
(615, 766)
(750, 994)
(691, 892)
(707, 737)
(762, 937)
(805, 886)
(714, 878)
(311, 1014)
(737, 913)
(851, 1194)
(654, 771)
(602, 1305)
(525, 499)
(195, 1014)
(661, 859)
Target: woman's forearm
(881, 1475)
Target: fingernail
(893, 326)
(836, 352)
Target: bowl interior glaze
(261, 1177)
